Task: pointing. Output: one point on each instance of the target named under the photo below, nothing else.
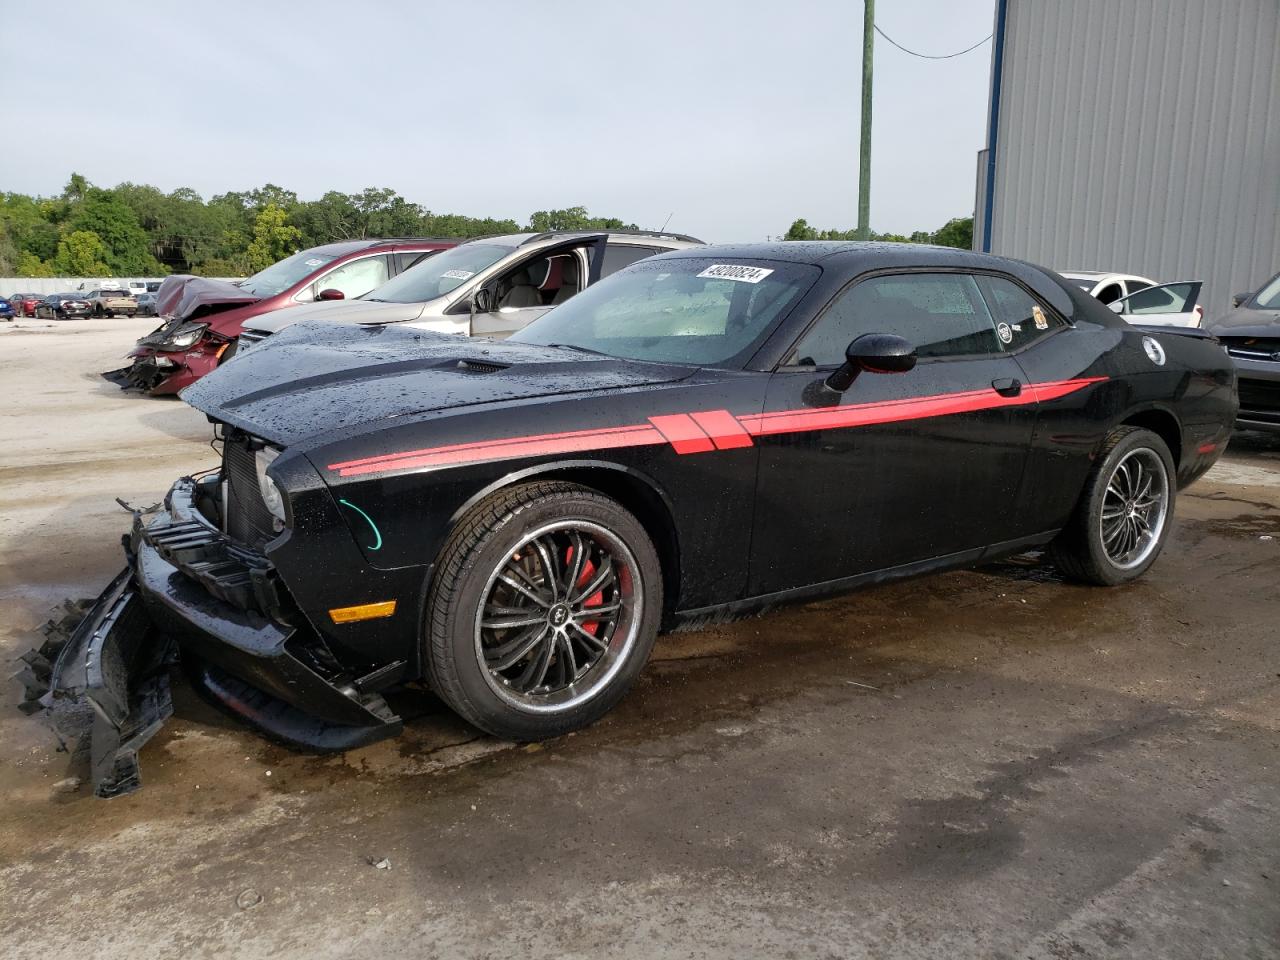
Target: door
(900, 467)
(1169, 305)
(530, 286)
(354, 278)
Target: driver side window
(356, 278)
(941, 314)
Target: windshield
(436, 276)
(279, 277)
(1269, 296)
(696, 311)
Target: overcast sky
(735, 116)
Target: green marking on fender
(369, 520)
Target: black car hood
(1247, 322)
(317, 378)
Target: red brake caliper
(597, 598)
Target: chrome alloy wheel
(1134, 508)
(559, 616)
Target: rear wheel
(543, 610)
(1124, 515)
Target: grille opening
(248, 520)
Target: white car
(491, 286)
(1166, 305)
(1107, 287)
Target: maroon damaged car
(203, 317)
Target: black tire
(475, 553)
(1079, 551)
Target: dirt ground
(988, 764)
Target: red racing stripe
(682, 433)
(509, 449)
(710, 430)
(723, 428)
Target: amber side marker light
(363, 611)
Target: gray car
(490, 286)
(1251, 333)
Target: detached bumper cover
(190, 590)
(115, 663)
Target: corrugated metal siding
(1142, 136)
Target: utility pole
(864, 152)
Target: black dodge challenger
(704, 434)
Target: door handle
(1007, 386)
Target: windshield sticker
(735, 271)
(1038, 316)
(1006, 333)
(457, 275)
(314, 263)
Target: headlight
(185, 336)
(271, 495)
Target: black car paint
(341, 395)
(390, 436)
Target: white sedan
(1166, 305)
(1107, 287)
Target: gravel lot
(981, 764)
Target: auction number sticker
(457, 274)
(735, 271)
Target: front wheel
(1124, 515)
(543, 610)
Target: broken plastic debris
(248, 899)
(383, 864)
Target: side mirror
(1239, 298)
(331, 294)
(1116, 306)
(874, 353)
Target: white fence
(46, 285)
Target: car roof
(843, 253)
(1099, 275)
(344, 247)
(514, 240)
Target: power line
(926, 56)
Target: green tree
(29, 265)
(28, 224)
(75, 189)
(273, 239)
(800, 230)
(81, 253)
(574, 218)
(956, 233)
(127, 247)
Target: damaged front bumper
(113, 663)
(189, 590)
(160, 371)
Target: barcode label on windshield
(735, 271)
(456, 275)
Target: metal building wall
(1142, 136)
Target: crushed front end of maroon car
(201, 318)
